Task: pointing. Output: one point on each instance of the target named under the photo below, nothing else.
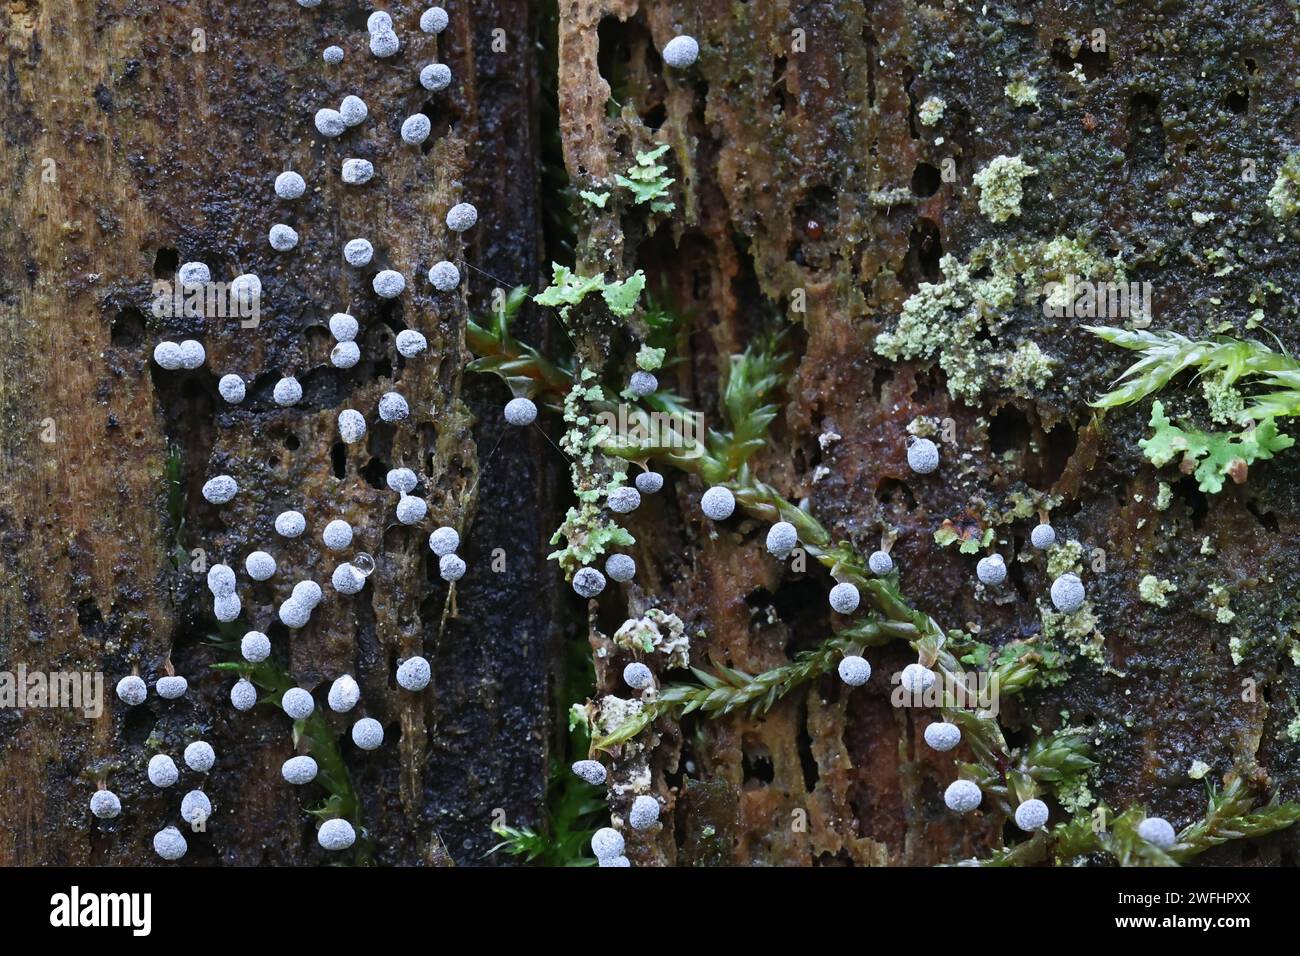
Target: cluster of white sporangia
(1067, 593)
(348, 577)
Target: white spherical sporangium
(259, 565)
(243, 695)
(591, 771)
(354, 111)
(290, 185)
(162, 771)
(344, 327)
(624, 500)
(451, 567)
(718, 503)
(854, 670)
(105, 804)
(444, 276)
(169, 844)
(297, 703)
(520, 412)
(357, 172)
(781, 539)
(255, 646)
(232, 389)
(332, 55)
(880, 563)
(193, 354)
(1043, 536)
(991, 570)
(221, 580)
(344, 694)
(942, 736)
(588, 582)
(299, 770)
(172, 687)
(681, 51)
(246, 289)
(290, 524)
(193, 273)
(435, 77)
(606, 843)
(434, 20)
(220, 489)
(410, 343)
(368, 733)
(444, 540)
(195, 807)
(649, 482)
(345, 355)
(330, 123)
(384, 44)
(393, 407)
(644, 813)
(358, 252)
(403, 481)
(352, 426)
(282, 237)
(615, 862)
(923, 456)
(916, 679)
(388, 284)
(227, 609)
(288, 391)
(413, 674)
(461, 216)
(416, 129)
(132, 690)
(336, 835)
(337, 535)
(1068, 593)
(199, 756)
(637, 676)
(308, 592)
(1158, 832)
(379, 22)
(346, 579)
(620, 567)
(411, 510)
(167, 355)
(294, 614)
(962, 796)
(1031, 815)
(844, 598)
(643, 383)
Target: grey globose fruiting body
(227, 609)
(220, 489)
(162, 771)
(192, 354)
(384, 44)
(344, 327)
(416, 129)
(393, 407)
(105, 804)
(199, 756)
(255, 647)
(644, 813)
(462, 216)
(444, 541)
(434, 20)
(167, 355)
(520, 412)
(336, 834)
(221, 580)
(290, 185)
(681, 51)
(649, 482)
(170, 688)
(591, 771)
(354, 111)
(624, 500)
(337, 535)
(782, 538)
(388, 284)
(346, 579)
(942, 735)
(413, 674)
(259, 565)
(880, 563)
(308, 592)
(330, 122)
(132, 690)
(294, 614)
(282, 237)
(358, 253)
(614, 862)
(991, 570)
(345, 355)
(718, 503)
(345, 693)
(195, 807)
(451, 567)
(290, 524)
(297, 703)
(193, 273)
(607, 842)
(410, 343)
(1158, 832)
(854, 670)
(1031, 815)
(923, 456)
(1043, 536)
(243, 695)
(435, 77)
(332, 55)
(1068, 593)
(643, 383)
(357, 172)
(637, 676)
(368, 733)
(379, 22)
(844, 598)
(962, 796)
(917, 679)
(169, 844)
(620, 567)
(232, 388)
(588, 582)
(444, 276)
(287, 391)
(352, 426)
(299, 770)
(403, 481)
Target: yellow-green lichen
(931, 111)
(1164, 496)
(1021, 92)
(1001, 186)
(1284, 196)
(1065, 558)
(1155, 591)
(1028, 368)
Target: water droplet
(364, 563)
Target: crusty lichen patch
(656, 632)
(1155, 590)
(931, 111)
(1284, 196)
(1001, 186)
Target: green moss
(1155, 591)
(1001, 186)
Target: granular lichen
(1001, 186)
(1155, 591)
(931, 110)
(1021, 92)
(1284, 195)
(1028, 368)
(657, 632)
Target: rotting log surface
(162, 154)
